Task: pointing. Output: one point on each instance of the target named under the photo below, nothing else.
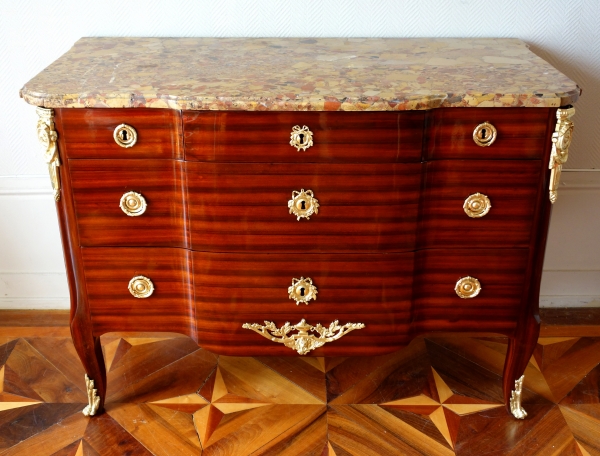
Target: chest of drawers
(303, 197)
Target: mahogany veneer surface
(343, 137)
(386, 248)
(522, 133)
(89, 133)
(496, 308)
(97, 189)
(511, 186)
(112, 306)
(233, 289)
(227, 201)
(363, 207)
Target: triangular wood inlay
(444, 391)
(467, 409)
(123, 347)
(206, 422)
(109, 351)
(439, 419)
(453, 423)
(188, 403)
(549, 349)
(219, 387)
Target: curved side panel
(87, 346)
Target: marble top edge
(300, 74)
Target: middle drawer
(267, 207)
(129, 202)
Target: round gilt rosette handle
(467, 287)
(133, 204)
(477, 205)
(141, 287)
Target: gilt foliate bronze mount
(93, 398)
(302, 290)
(515, 400)
(303, 204)
(561, 140)
(47, 136)
(303, 341)
(301, 138)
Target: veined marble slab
(299, 74)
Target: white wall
(33, 33)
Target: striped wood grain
(338, 137)
(363, 208)
(88, 133)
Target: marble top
(299, 74)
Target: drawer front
(233, 289)
(507, 189)
(98, 189)
(338, 137)
(521, 133)
(362, 208)
(501, 274)
(89, 133)
(108, 272)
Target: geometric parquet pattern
(438, 396)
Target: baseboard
(34, 291)
(569, 302)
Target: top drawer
(338, 137)
(89, 133)
(522, 133)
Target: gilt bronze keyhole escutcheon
(301, 138)
(303, 204)
(485, 134)
(125, 135)
(302, 290)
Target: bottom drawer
(501, 276)
(234, 289)
(108, 272)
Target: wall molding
(35, 304)
(25, 185)
(576, 179)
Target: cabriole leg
(520, 350)
(90, 352)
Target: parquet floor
(439, 396)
